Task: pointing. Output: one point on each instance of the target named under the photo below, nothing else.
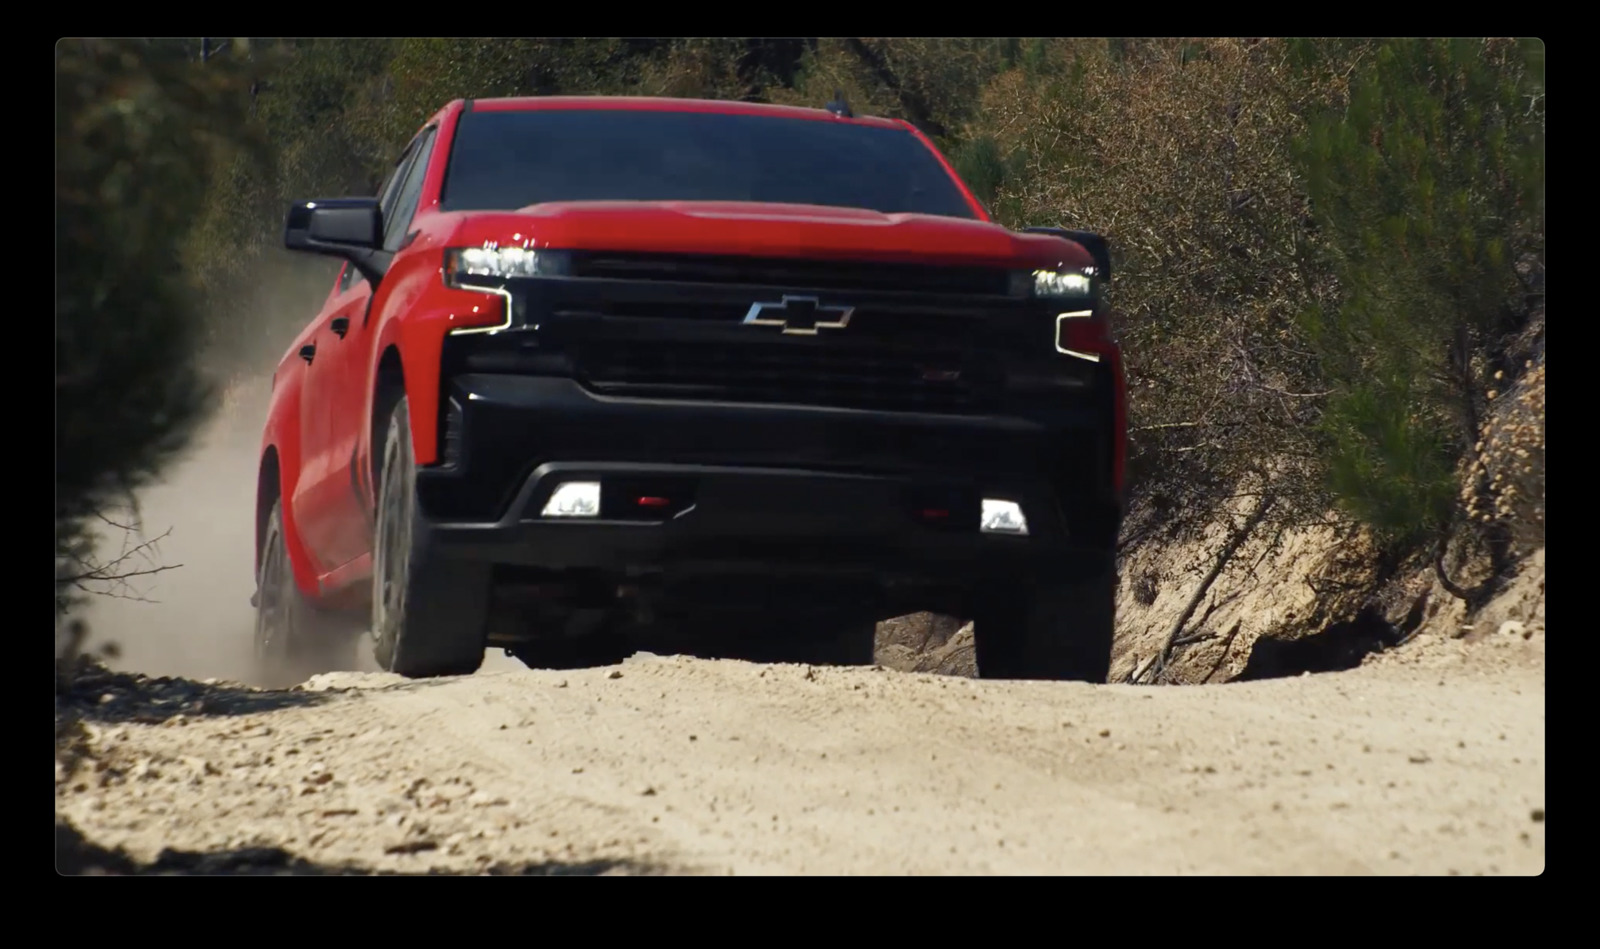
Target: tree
(1428, 186)
(1177, 151)
(138, 133)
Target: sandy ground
(1426, 763)
(1429, 760)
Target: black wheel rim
(273, 616)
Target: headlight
(1055, 284)
(472, 265)
(1074, 285)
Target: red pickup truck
(711, 377)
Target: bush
(1428, 184)
(138, 132)
(1178, 152)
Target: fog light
(1003, 517)
(574, 499)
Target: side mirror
(350, 228)
(1094, 243)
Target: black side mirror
(1094, 243)
(350, 228)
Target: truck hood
(761, 230)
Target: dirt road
(1430, 761)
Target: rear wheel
(293, 639)
(1061, 632)
(429, 614)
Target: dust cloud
(193, 618)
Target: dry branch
(1240, 534)
(1227, 644)
(1139, 670)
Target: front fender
(414, 325)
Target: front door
(317, 502)
(348, 498)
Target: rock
(614, 674)
(419, 845)
(1513, 628)
(1537, 815)
(200, 766)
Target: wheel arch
(269, 488)
(388, 386)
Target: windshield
(509, 160)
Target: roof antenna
(840, 107)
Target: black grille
(863, 377)
(871, 324)
(452, 423)
(799, 274)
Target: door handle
(307, 351)
(340, 326)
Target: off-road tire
(293, 639)
(429, 614)
(1059, 631)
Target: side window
(391, 187)
(347, 277)
(396, 222)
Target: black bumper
(744, 487)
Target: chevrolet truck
(718, 378)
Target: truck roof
(664, 104)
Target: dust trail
(195, 619)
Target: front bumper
(762, 488)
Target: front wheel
(1060, 631)
(429, 614)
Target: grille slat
(834, 376)
(805, 274)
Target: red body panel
(326, 435)
(320, 421)
(758, 230)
